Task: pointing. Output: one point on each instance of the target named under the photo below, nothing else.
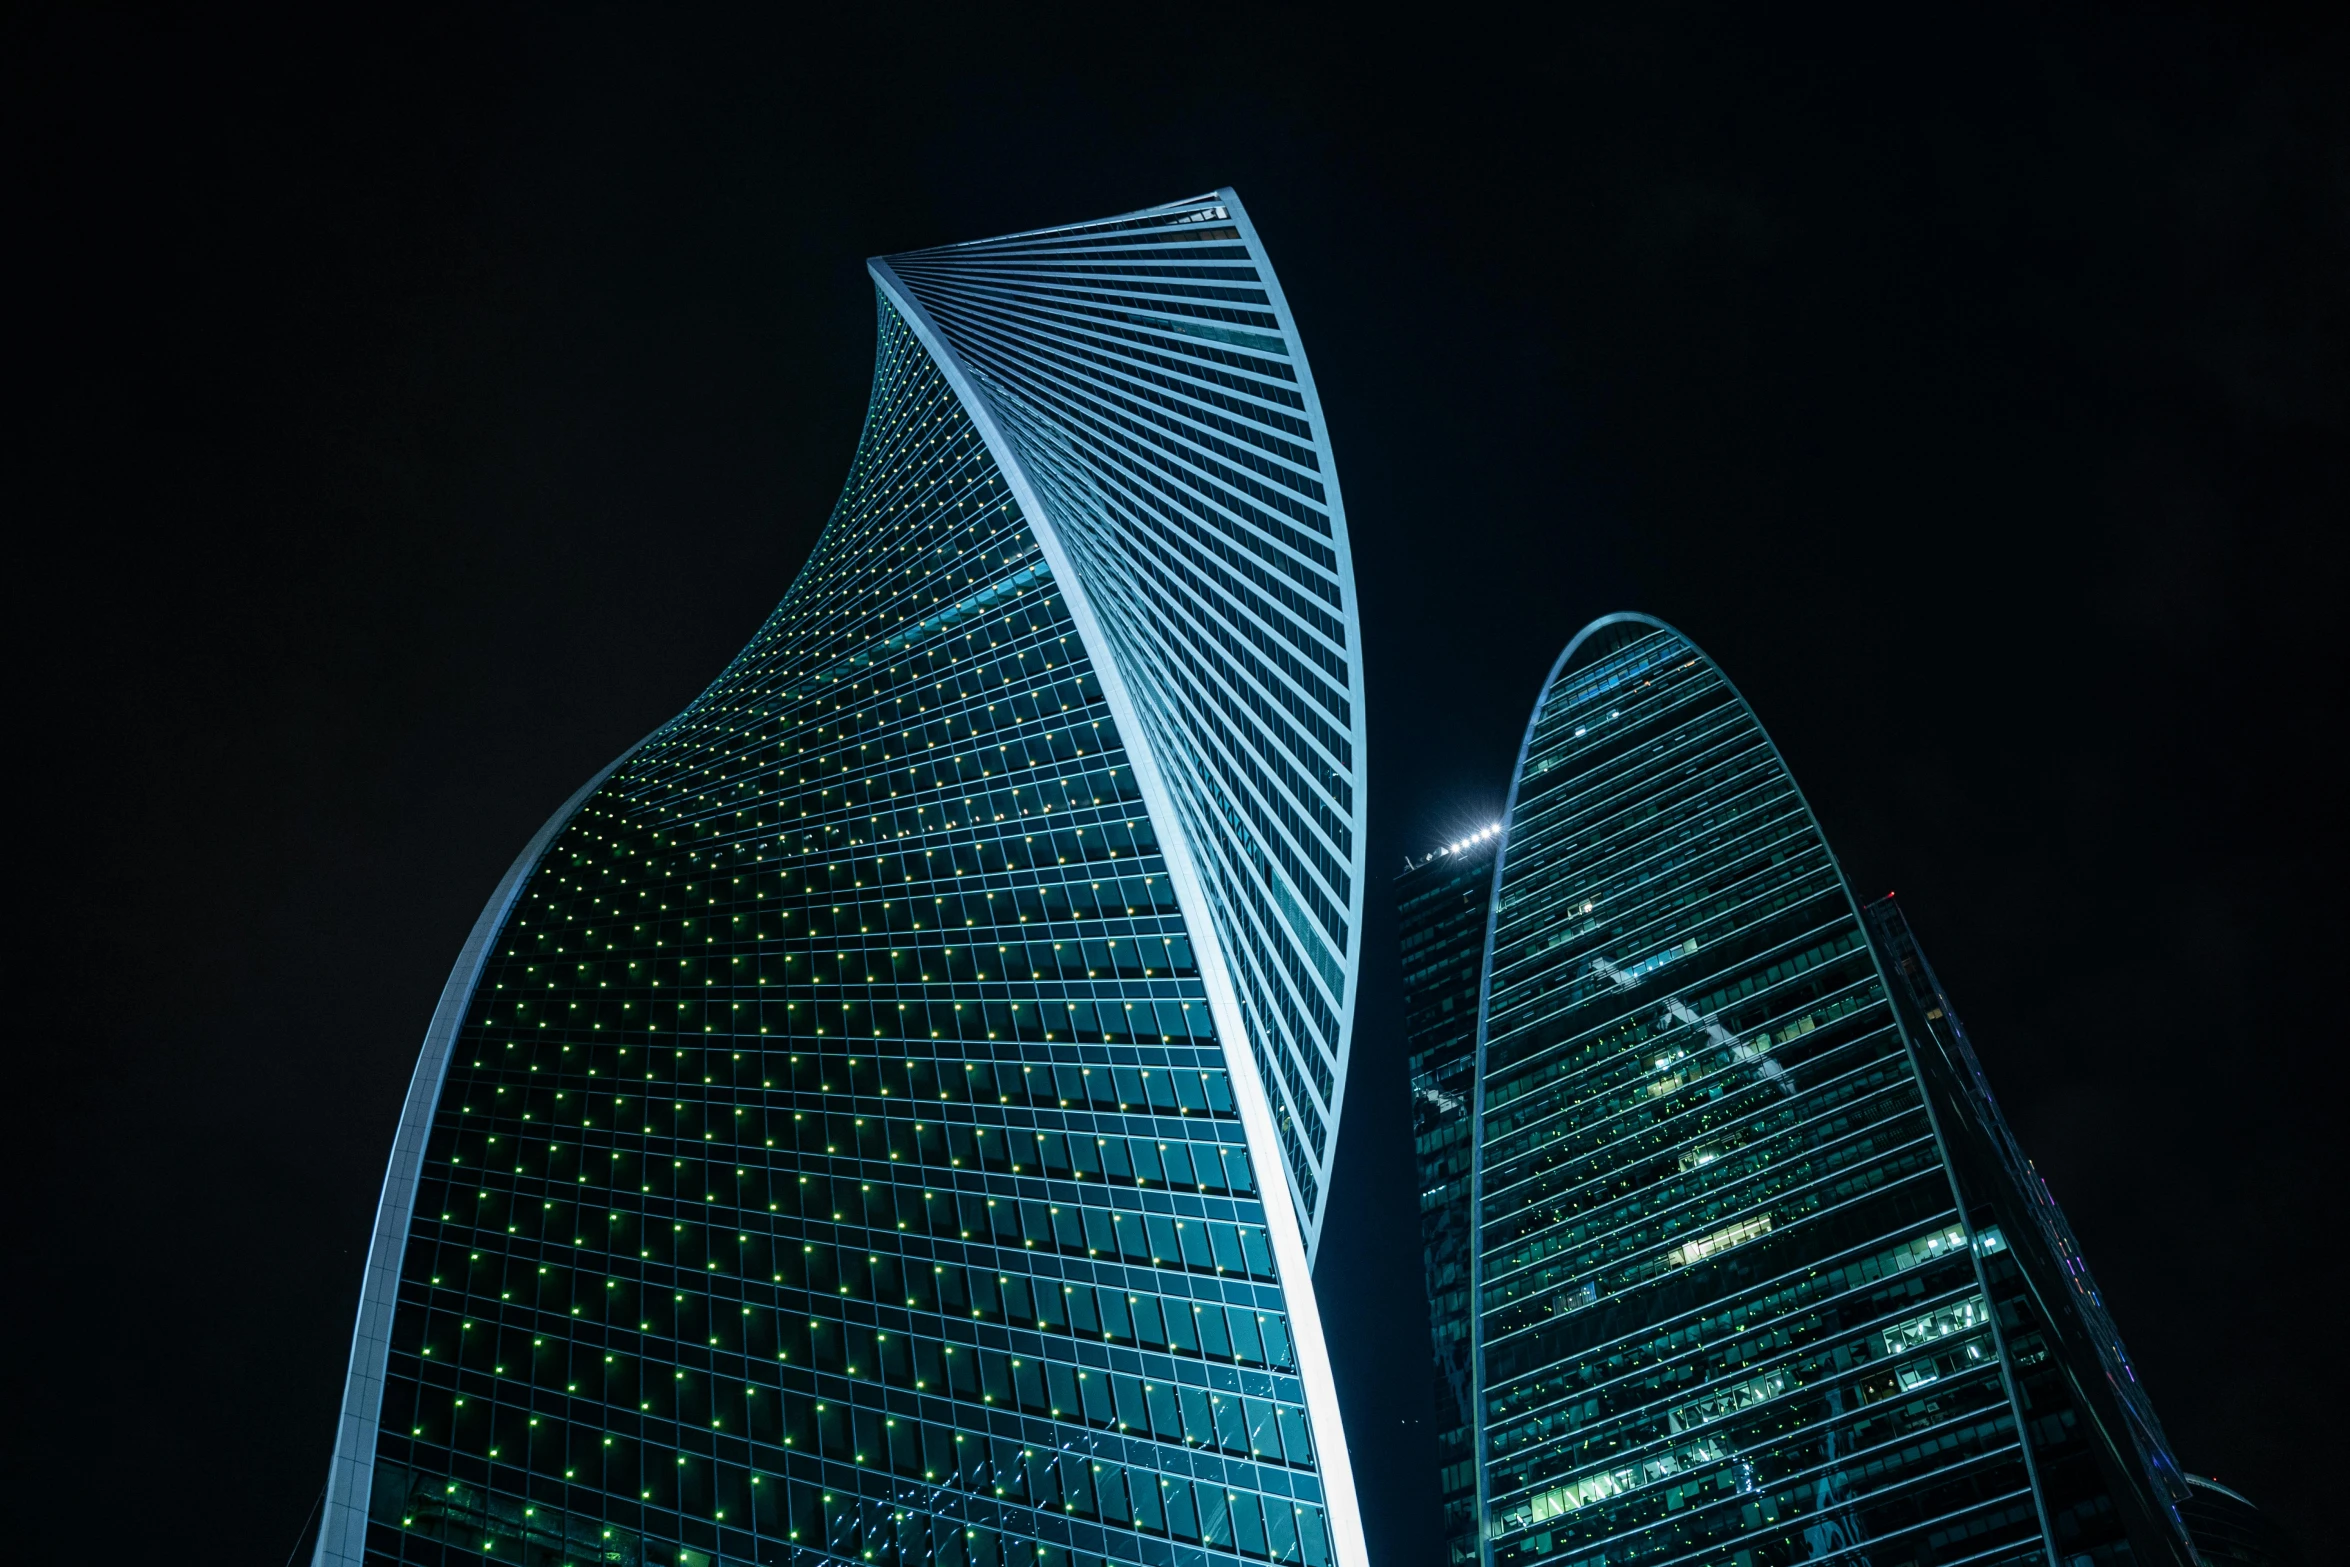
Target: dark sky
(411, 416)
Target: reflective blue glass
(836, 1143)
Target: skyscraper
(1757, 1272)
(886, 1115)
(1441, 903)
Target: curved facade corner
(877, 1127)
(343, 1509)
(1755, 1271)
(1145, 379)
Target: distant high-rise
(1442, 902)
(1756, 1273)
(886, 1116)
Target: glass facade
(1759, 1276)
(1145, 373)
(934, 1211)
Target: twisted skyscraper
(886, 1116)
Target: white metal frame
(1248, 1090)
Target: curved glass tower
(1759, 1274)
(886, 1116)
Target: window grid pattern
(1727, 1309)
(1145, 371)
(838, 1162)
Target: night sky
(412, 416)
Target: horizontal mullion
(1817, 1216)
(1588, 1153)
(1632, 1226)
(1750, 833)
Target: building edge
(2135, 1456)
(342, 1523)
(1333, 500)
(1501, 850)
(1342, 544)
(1281, 1220)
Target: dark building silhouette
(1755, 1271)
(1442, 902)
(2229, 1531)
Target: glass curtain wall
(1730, 1303)
(834, 1151)
(1148, 375)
